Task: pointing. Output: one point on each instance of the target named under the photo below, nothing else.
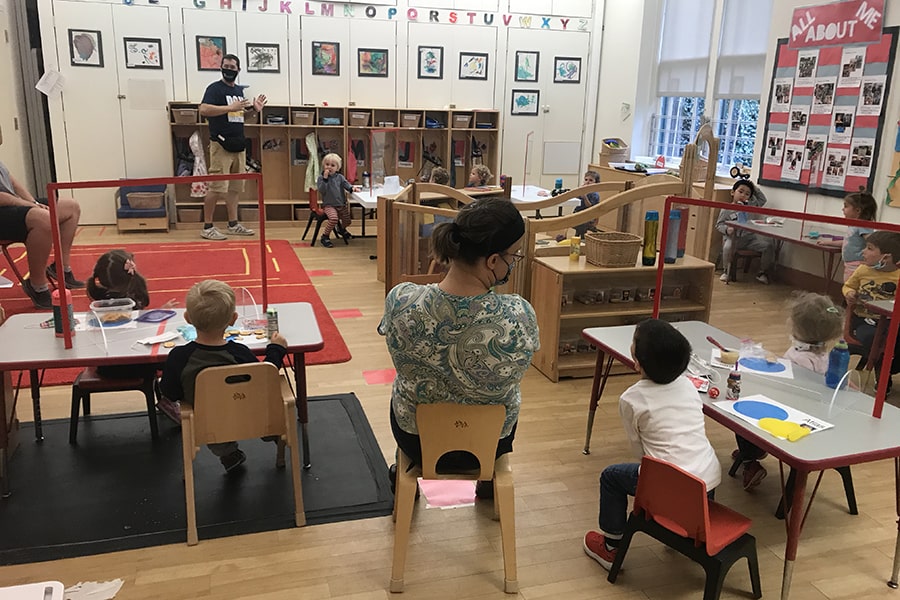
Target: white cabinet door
(143, 92)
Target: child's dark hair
(594, 175)
(887, 242)
(481, 228)
(233, 57)
(814, 319)
(661, 350)
(745, 182)
(115, 276)
(864, 202)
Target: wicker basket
(145, 200)
(612, 248)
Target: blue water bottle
(672, 237)
(838, 364)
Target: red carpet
(171, 269)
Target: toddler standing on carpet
(332, 187)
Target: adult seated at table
(24, 219)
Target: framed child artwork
(525, 102)
(431, 62)
(210, 51)
(143, 53)
(326, 58)
(527, 65)
(473, 65)
(372, 62)
(85, 48)
(263, 58)
(566, 69)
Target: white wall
(13, 129)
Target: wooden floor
(456, 553)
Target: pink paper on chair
(448, 493)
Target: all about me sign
(837, 23)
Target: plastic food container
(113, 312)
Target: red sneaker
(595, 547)
(754, 473)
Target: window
(684, 90)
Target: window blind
(742, 49)
(684, 47)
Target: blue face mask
(881, 264)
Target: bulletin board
(827, 103)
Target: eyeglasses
(516, 256)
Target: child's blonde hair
(815, 319)
(484, 174)
(335, 158)
(440, 175)
(210, 305)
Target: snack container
(113, 312)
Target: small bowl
(729, 358)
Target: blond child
(210, 308)
(859, 205)
(479, 176)
(332, 188)
(587, 201)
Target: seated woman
(459, 341)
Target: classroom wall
(13, 129)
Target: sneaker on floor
(171, 409)
(71, 282)
(724, 277)
(736, 454)
(754, 473)
(233, 461)
(212, 233)
(595, 547)
(326, 242)
(763, 278)
(238, 229)
(41, 300)
(484, 489)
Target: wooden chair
(747, 256)
(446, 428)
(671, 506)
(316, 215)
(90, 382)
(239, 402)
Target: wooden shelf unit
(687, 287)
(278, 141)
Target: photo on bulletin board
(210, 51)
(527, 65)
(372, 62)
(566, 69)
(263, 58)
(326, 58)
(85, 48)
(143, 53)
(473, 65)
(525, 102)
(431, 62)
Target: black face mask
(509, 267)
(229, 75)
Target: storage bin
(409, 120)
(146, 200)
(612, 248)
(112, 312)
(359, 119)
(303, 117)
(248, 214)
(189, 215)
(613, 150)
(462, 121)
(185, 116)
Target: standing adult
(223, 106)
(24, 219)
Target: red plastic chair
(671, 506)
(315, 214)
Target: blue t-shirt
(461, 349)
(229, 125)
(854, 243)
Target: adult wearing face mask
(223, 106)
(458, 340)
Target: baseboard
(803, 280)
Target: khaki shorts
(222, 162)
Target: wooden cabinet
(568, 296)
(277, 140)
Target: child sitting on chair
(663, 418)
(587, 201)
(332, 187)
(744, 193)
(440, 176)
(210, 308)
(815, 324)
(479, 176)
(875, 279)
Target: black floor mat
(117, 490)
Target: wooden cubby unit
(557, 282)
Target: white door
(143, 91)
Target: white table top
(45, 590)
(792, 230)
(520, 194)
(37, 348)
(367, 197)
(856, 436)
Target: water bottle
(651, 228)
(558, 184)
(271, 322)
(682, 231)
(838, 364)
(58, 306)
(733, 385)
(672, 239)
(366, 180)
